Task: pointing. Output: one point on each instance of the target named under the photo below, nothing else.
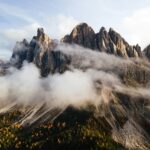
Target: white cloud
(66, 24)
(59, 25)
(5, 54)
(137, 26)
(9, 35)
(10, 10)
(55, 26)
(15, 34)
(8, 38)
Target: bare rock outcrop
(146, 52)
(109, 42)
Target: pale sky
(20, 19)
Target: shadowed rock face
(122, 47)
(54, 62)
(146, 52)
(20, 53)
(104, 42)
(110, 42)
(82, 35)
(41, 49)
(124, 109)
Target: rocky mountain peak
(109, 42)
(116, 37)
(42, 38)
(121, 87)
(19, 52)
(39, 51)
(25, 42)
(103, 40)
(41, 48)
(83, 35)
(146, 51)
(19, 46)
(103, 31)
(40, 32)
(82, 27)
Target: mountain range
(40, 50)
(124, 111)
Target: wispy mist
(93, 78)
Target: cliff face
(41, 51)
(82, 35)
(20, 53)
(146, 52)
(124, 111)
(110, 42)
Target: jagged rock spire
(40, 49)
(146, 51)
(110, 42)
(83, 35)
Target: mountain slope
(41, 51)
(110, 42)
(117, 112)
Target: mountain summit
(41, 49)
(109, 42)
(92, 93)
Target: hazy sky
(20, 19)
